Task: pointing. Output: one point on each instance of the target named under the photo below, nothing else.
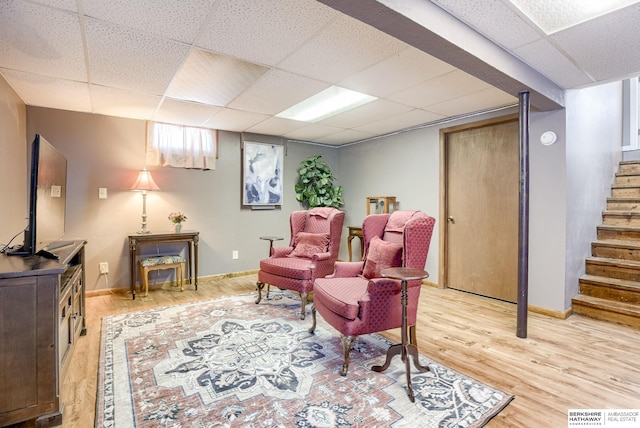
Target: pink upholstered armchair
(311, 254)
(356, 300)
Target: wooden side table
(405, 349)
(355, 232)
(271, 239)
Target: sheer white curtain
(181, 146)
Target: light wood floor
(577, 363)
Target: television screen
(47, 198)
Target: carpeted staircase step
(616, 249)
(629, 203)
(613, 268)
(619, 233)
(620, 290)
(608, 310)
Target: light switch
(56, 191)
(102, 193)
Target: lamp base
(143, 231)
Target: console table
(136, 240)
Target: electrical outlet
(104, 267)
(235, 255)
(102, 193)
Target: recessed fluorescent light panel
(324, 104)
(555, 15)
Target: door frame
(442, 230)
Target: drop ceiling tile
(371, 112)
(544, 57)
(312, 131)
(211, 78)
(126, 59)
(184, 113)
(553, 15)
(69, 5)
(449, 86)
(603, 53)
(344, 47)
(496, 20)
(51, 92)
(41, 40)
(262, 31)
(123, 103)
(276, 126)
(344, 137)
(483, 100)
(276, 91)
(401, 121)
(159, 17)
(234, 120)
(404, 70)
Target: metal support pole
(523, 217)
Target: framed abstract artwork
(262, 174)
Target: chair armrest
(379, 285)
(319, 257)
(281, 251)
(347, 269)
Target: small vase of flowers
(177, 218)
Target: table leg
(195, 267)
(132, 266)
(404, 349)
(349, 239)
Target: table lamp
(144, 183)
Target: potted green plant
(315, 184)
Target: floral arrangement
(177, 217)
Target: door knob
(450, 219)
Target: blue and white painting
(262, 171)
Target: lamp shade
(144, 182)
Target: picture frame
(262, 175)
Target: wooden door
(481, 209)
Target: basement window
(181, 146)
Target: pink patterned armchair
(311, 254)
(356, 300)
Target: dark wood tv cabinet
(42, 315)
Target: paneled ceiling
(234, 64)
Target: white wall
(594, 141)
(13, 164)
(404, 166)
(547, 212)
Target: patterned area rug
(231, 363)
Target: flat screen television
(47, 199)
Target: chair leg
(313, 316)
(260, 286)
(303, 310)
(145, 281)
(182, 269)
(347, 343)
